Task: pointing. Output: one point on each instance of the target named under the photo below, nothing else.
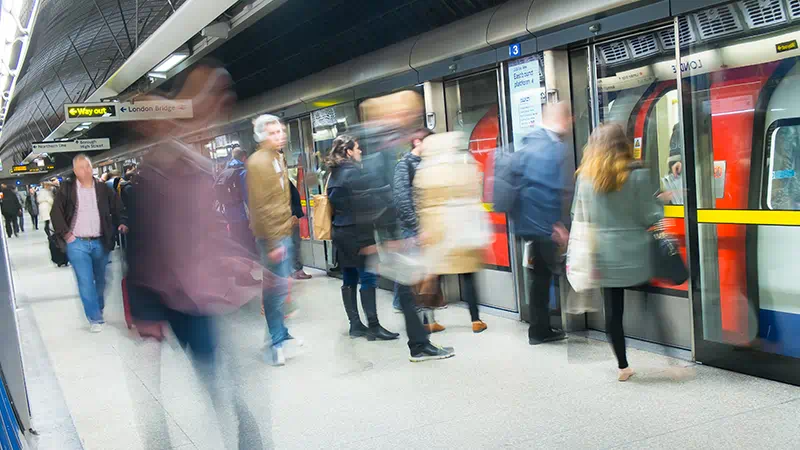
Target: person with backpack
(530, 186)
(230, 187)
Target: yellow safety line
(673, 211)
(749, 217)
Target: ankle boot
(357, 329)
(375, 330)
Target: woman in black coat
(353, 235)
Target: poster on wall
(527, 93)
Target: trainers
(478, 326)
(278, 356)
(301, 275)
(431, 352)
(96, 328)
(434, 327)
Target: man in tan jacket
(269, 201)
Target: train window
(783, 186)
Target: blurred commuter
(403, 195)
(391, 121)
(531, 187)
(352, 236)
(672, 182)
(45, 198)
(297, 214)
(452, 219)
(269, 201)
(32, 206)
(23, 199)
(85, 216)
(621, 211)
(112, 178)
(231, 193)
(11, 210)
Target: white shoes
(278, 356)
(279, 351)
(96, 328)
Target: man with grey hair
(269, 202)
(85, 216)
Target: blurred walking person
(11, 209)
(622, 209)
(231, 193)
(352, 237)
(23, 199)
(269, 201)
(45, 197)
(32, 206)
(85, 216)
(452, 219)
(531, 185)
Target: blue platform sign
(514, 50)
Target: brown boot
(434, 327)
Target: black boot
(376, 331)
(357, 329)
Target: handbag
(323, 214)
(580, 249)
(668, 263)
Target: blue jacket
(238, 213)
(532, 182)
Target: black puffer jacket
(403, 193)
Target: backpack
(228, 186)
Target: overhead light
(171, 61)
(161, 75)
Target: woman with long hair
(622, 209)
(353, 236)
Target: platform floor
(109, 391)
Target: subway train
(731, 97)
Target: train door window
(783, 186)
(327, 124)
(741, 76)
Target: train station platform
(110, 391)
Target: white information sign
(527, 95)
(78, 145)
(128, 111)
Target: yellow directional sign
(91, 111)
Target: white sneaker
(278, 357)
(96, 328)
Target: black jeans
(615, 306)
(35, 220)
(12, 226)
(469, 293)
(298, 264)
(417, 335)
(544, 255)
(22, 222)
(47, 230)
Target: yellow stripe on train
(749, 217)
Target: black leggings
(615, 307)
(47, 229)
(35, 220)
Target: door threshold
(652, 347)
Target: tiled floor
(110, 391)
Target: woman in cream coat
(453, 224)
(45, 197)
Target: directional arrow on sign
(122, 109)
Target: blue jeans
(276, 288)
(89, 259)
(352, 275)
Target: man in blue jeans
(269, 201)
(85, 217)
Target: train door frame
(452, 286)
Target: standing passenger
(45, 198)
(11, 210)
(231, 190)
(269, 200)
(22, 201)
(297, 214)
(622, 210)
(32, 206)
(352, 236)
(538, 176)
(85, 216)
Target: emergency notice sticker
(637, 148)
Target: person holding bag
(616, 192)
(353, 236)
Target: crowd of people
(406, 204)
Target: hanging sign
(78, 145)
(128, 111)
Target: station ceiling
(78, 44)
